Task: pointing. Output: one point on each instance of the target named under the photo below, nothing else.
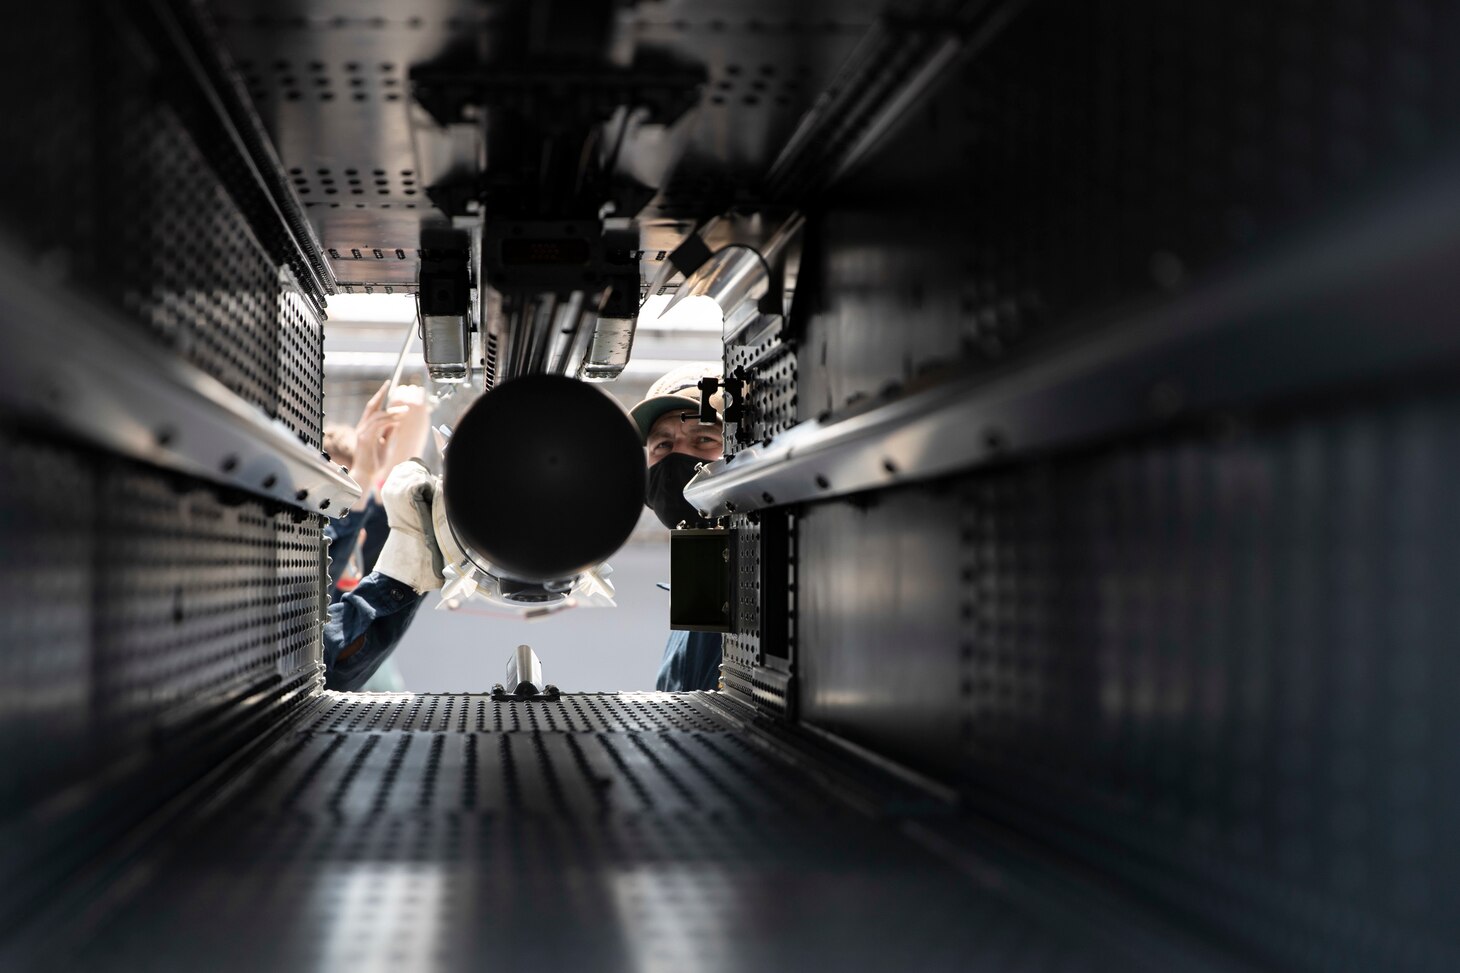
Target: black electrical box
(701, 573)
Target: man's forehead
(676, 419)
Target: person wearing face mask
(675, 443)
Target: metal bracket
(734, 384)
(524, 673)
(526, 692)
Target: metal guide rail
(140, 401)
(615, 831)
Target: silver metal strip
(1368, 297)
(69, 364)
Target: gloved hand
(420, 544)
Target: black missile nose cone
(544, 477)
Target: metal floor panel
(625, 831)
(459, 712)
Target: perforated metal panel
(47, 576)
(1218, 666)
(135, 601)
(612, 832)
(152, 627)
(769, 365)
(190, 269)
(156, 624)
(1208, 664)
(331, 84)
(171, 247)
(193, 272)
(300, 401)
(462, 713)
(1097, 155)
(766, 64)
(195, 599)
(762, 355)
(47, 145)
(741, 647)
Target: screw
(324, 505)
(230, 463)
(302, 495)
(889, 466)
(823, 482)
(768, 498)
(269, 481)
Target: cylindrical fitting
(447, 342)
(608, 353)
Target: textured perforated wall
(173, 247)
(154, 624)
(741, 647)
(1215, 664)
(136, 602)
(762, 356)
(768, 365)
(1098, 155)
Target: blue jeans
(691, 661)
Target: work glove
(421, 544)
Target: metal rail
(72, 366)
(1366, 297)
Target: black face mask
(665, 491)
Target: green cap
(677, 390)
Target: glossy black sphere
(544, 477)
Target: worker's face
(674, 433)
